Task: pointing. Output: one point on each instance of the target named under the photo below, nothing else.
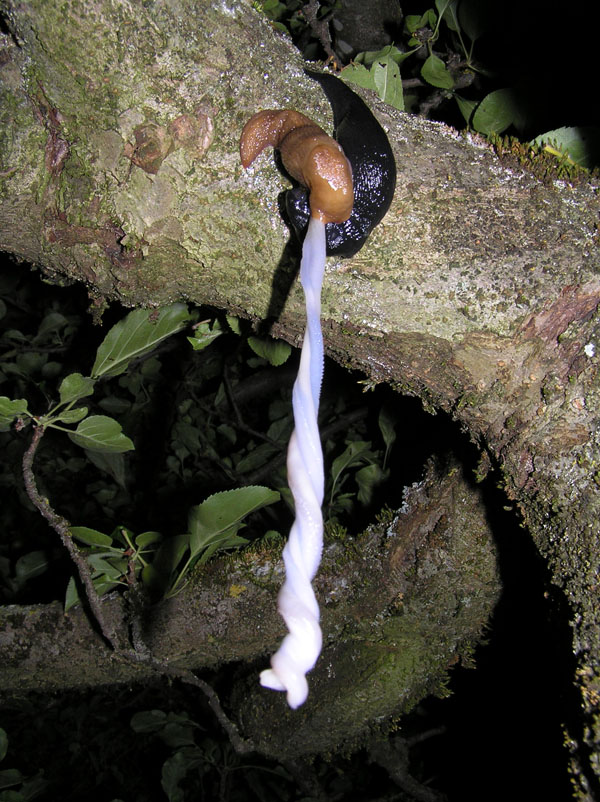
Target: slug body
(368, 150)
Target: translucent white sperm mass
(297, 604)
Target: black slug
(373, 170)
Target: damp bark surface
(478, 293)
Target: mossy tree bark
(478, 293)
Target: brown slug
(309, 155)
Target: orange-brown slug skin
(309, 155)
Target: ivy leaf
(75, 386)
(274, 351)
(9, 410)
(136, 335)
(214, 523)
(435, 72)
(100, 433)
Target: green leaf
(31, 565)
(475, 17)
(71, 595)
(354, 454)
(165, 563)
(367, 479)
(274, 351)
(467, 107)
(3, 743)
(106, 570)
(147, 539)
(447, 10)
(9, 410)
(204, 334)
(580, 144)
(387, 426)
(435, 72)
(136, 335)
(224, 513)
(114, 405)
(413, 22)
(388, 83)
(256, 457)
(387, 53)
(99, 433)
(358, 74)
(53, 321)
(10, 777)
(175, 769)
(223, 541)
(147, 721)
(496, 112)
(70, 415)
(75, 386)
(91, 537)
(111, 463)
(234, 324)
(104, 584)
(32, 787)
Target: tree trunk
(478, 293)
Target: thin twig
(62, 527)
(320, 27)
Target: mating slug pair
(358, 136)
(347, 185)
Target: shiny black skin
(373, 170)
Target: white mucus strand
(297, 603)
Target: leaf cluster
(219, 431)
(435, 68)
